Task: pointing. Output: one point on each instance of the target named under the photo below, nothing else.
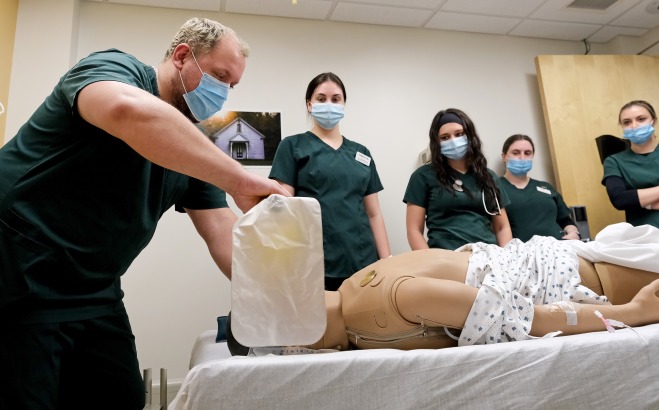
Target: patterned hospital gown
(512, 279)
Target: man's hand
(253, 189)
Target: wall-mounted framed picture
(250, 138)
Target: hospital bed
(590, 370)
(593, 370)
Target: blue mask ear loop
(485, 206)
(179, 72)
(179, 76)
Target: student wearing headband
(455, 195)
(631, 176)
(536, 208)
(341, 175)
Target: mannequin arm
(448, 303)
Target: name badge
(544, 190)
(364, 159)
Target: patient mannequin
(411, 300)
(386, 303)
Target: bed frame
(593, 370)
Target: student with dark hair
(631, 177)
(536, 208)
(341, 175)
(456, 195)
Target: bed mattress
(593, 370)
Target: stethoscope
(457, 185)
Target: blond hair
(202, 35)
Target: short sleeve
(611, 168)
(374, 183)
(110, 65)
(202, 195)
(563, 211)
(284, 164)
(505, 199)
(417, 192)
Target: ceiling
(597, 21)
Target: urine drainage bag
(277, 284)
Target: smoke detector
(653, 7)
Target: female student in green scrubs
(342, 176)
(536, 208)
(455, 195)
(631, 177)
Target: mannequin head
(335, 336)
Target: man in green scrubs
(82, 187)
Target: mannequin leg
(642, 310)
(620, 283)
(439, 301)
(448, 303)
(590, 278)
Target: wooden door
(581, 98)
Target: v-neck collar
(343, 140)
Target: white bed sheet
(594, 370)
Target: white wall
(44, 49)
(396, 80)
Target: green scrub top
(77, 205)
(339, 179)
(453, 218)
(536, 209)
(638, 171)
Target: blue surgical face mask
(639, 135)
(519, 167)
(454, 148)
(327, 115)
(209, 96)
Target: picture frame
(249, 137)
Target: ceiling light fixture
(653, 7)
(591, 4)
